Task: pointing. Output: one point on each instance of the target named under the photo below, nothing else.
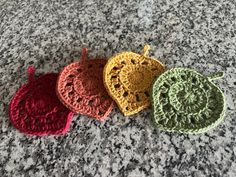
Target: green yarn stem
(216, 76)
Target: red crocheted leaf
(80, 87)
(36, 110)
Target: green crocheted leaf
(186, 101)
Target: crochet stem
(146, 49)
(84, 54)
(31, 73)
(215, 76)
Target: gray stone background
(183, 33)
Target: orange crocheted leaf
(128, 78)
(80, 87)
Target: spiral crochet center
(187, 98)
(87, 86)
(137, 78)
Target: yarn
(35, 108)
(80, 88)
(187, 102)
(128, 78)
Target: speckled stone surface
(49, 34)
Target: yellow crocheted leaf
(128, 78)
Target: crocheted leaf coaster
(35, 108)
(80, 87)
(128, 77)
(186, 101)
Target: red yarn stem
(31, 73)
(84, 54)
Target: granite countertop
(49, 35)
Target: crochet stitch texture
(35, 108)
(80, 88)
(128, 77)
(187, 102)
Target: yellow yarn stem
(146, 49)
